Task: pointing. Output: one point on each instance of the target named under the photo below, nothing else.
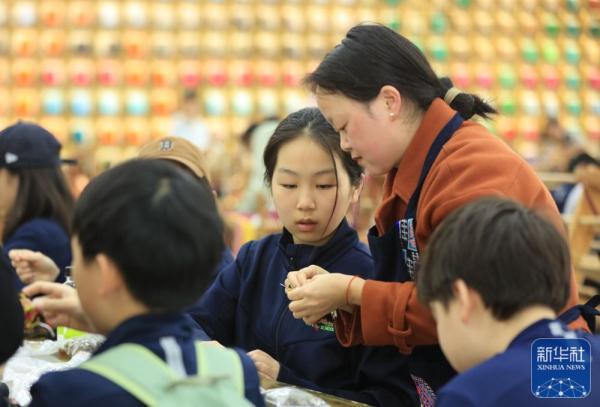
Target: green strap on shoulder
(214, 360)
(135, 368)
(145, 376)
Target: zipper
(292, 266)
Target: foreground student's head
(147, 235)
(489, 262)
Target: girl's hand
(33, 266)
(265, 364)
(319, 296)
(299, 278)
(59, 304)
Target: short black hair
(510, 255)
(372, 56)
(158, 224)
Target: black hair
(190, 95)
(582, 159)
(246, 136)
(201, 180)
(158, 224)
(309, 122)
(42, 193)
(510, 255)
(372, 56)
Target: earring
(392, 114)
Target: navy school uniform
(247, 307)
(46, 236)
(79, 387)
(505, 379)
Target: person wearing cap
(35, 201)
(187, 156)
(180, 151)
(173, 149)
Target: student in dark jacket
(313, 183)
(35, 203)
(34, 265)
(144, 248)
(11, 320)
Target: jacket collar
(147, 328)
(342, 240)
(409, 169)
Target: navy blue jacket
(42, 235)
(505, 379)
(246, 306)
(79, 387)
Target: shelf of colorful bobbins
(189, 72)
(215, 72)
(160, 127)
(81, 102)
(81, 72)
(592, 101)
(550, 76)
(215, 102)
(592, 130)
(53, 102)
(109, 102)
(163, 101)
(5, 106)
(137, 131)
(242, 103)
(76, 138)
(57, 126)
(268, 102)
(241, 73)
(461, 75)
(25, 103)
(109, 72)
(109, 59)
(529, 102)
(550, 103)
(52, 43)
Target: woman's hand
(299, 278)
(265, 364)
(318, 296)
(59, 304)
(33, 266)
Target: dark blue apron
(396, 258)
(588, 311)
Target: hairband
(451, 94)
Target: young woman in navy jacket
(313, 183)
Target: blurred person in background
(188, 124)
(35, 201)
(175, 150)
(256, 194)
(557, 147)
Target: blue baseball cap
(27, 145)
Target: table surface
(333, 401)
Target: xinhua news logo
(561, 368)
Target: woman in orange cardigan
(396, 117)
